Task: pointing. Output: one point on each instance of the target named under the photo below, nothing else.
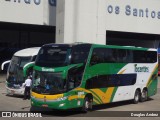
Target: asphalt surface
(125, 109)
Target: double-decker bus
(69, 76)
(15, 78)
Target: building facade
(128, 22)
(29, 23)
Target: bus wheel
(87, 105)
(136, 97)
(144, 95)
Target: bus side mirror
(27, 68)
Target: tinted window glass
(145, 56)
(53, 56)
(109, 55)
(80, 53)
(103, 81)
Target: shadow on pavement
(47, 112)
(15, 96)
(116, 104)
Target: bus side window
(97, 56)
(122, 56)
(151, 57)
(108, 57)
(94, 59)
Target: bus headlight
(61, 105)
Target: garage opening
(14, 36)
(132, 39)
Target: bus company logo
(141, 69)
(47, 69)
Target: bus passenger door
(74, 80)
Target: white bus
(15, 77)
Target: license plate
(44, 105)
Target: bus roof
(27, 52)
(64, 44)
(127, 47)
(99, 45)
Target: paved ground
(10, 103)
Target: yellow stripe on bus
(87, 91)
(152, 80)
(47, 97)
(81, 97)
(121, 72)
(75, 97)
(149, 80)
(105, 96)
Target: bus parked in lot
(69, 76)
(15, 77)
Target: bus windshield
(15, 71)
(52, 82)
(48, 83)
(62, 56)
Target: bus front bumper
(53, 104)
(11, 91)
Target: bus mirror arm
(3, 64)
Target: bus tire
(87, 105)
(144, 95)
(136, 97)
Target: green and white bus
(69, 76)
